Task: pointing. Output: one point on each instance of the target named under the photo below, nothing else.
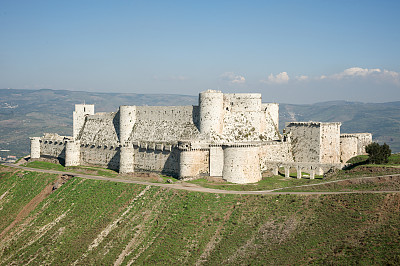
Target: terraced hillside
(97, 222)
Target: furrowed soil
(87, 221)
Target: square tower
(315, 141)
(81, 111)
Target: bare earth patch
(28, 208)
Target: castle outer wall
(233, 136)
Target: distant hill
(25, 113)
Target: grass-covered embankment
(98, 222)
(98, 171)
(76, 169)
(360, 168)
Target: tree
(378, 153)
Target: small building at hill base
(230, 135)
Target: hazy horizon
(197, 94)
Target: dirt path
(28, 208)
(196, 188)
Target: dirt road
(193, 187)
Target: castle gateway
(230, 135)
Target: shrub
(378, 153)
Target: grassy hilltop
(98, 222)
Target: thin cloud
(233, 78)
(280, 78)
(373, 73)
(301, 78)
(356, 72)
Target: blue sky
(290, 51)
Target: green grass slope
(96, 222)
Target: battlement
(312, 124)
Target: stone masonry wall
(348, 147)
(166, 123)
(242, 102)
(216, 160)
(241, 164)
(100, 155)
(210, 112)
(78, 117)
(353, 144)
(363, 140)
(101, 129)
(193, 163)
(53, 145)
(52, 148)
(275, 151)
(305, 138)
(330, 143)
(166, 162)
(271, 111)
(245, 120)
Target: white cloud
(373, 73)
(233, 78)
(356, 72)
(280, 78)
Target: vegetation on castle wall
(98, 222)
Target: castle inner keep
(230, 135)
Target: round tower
(211, 104)
(35, 148)
(126, 160)
(127, 119)
(72, 153)
(193, 160)
(241, 163)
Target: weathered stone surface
(241, 164)
(35, 147)
(315, 141)
(353, 144)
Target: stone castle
(230, 135)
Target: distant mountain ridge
(25, 113)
